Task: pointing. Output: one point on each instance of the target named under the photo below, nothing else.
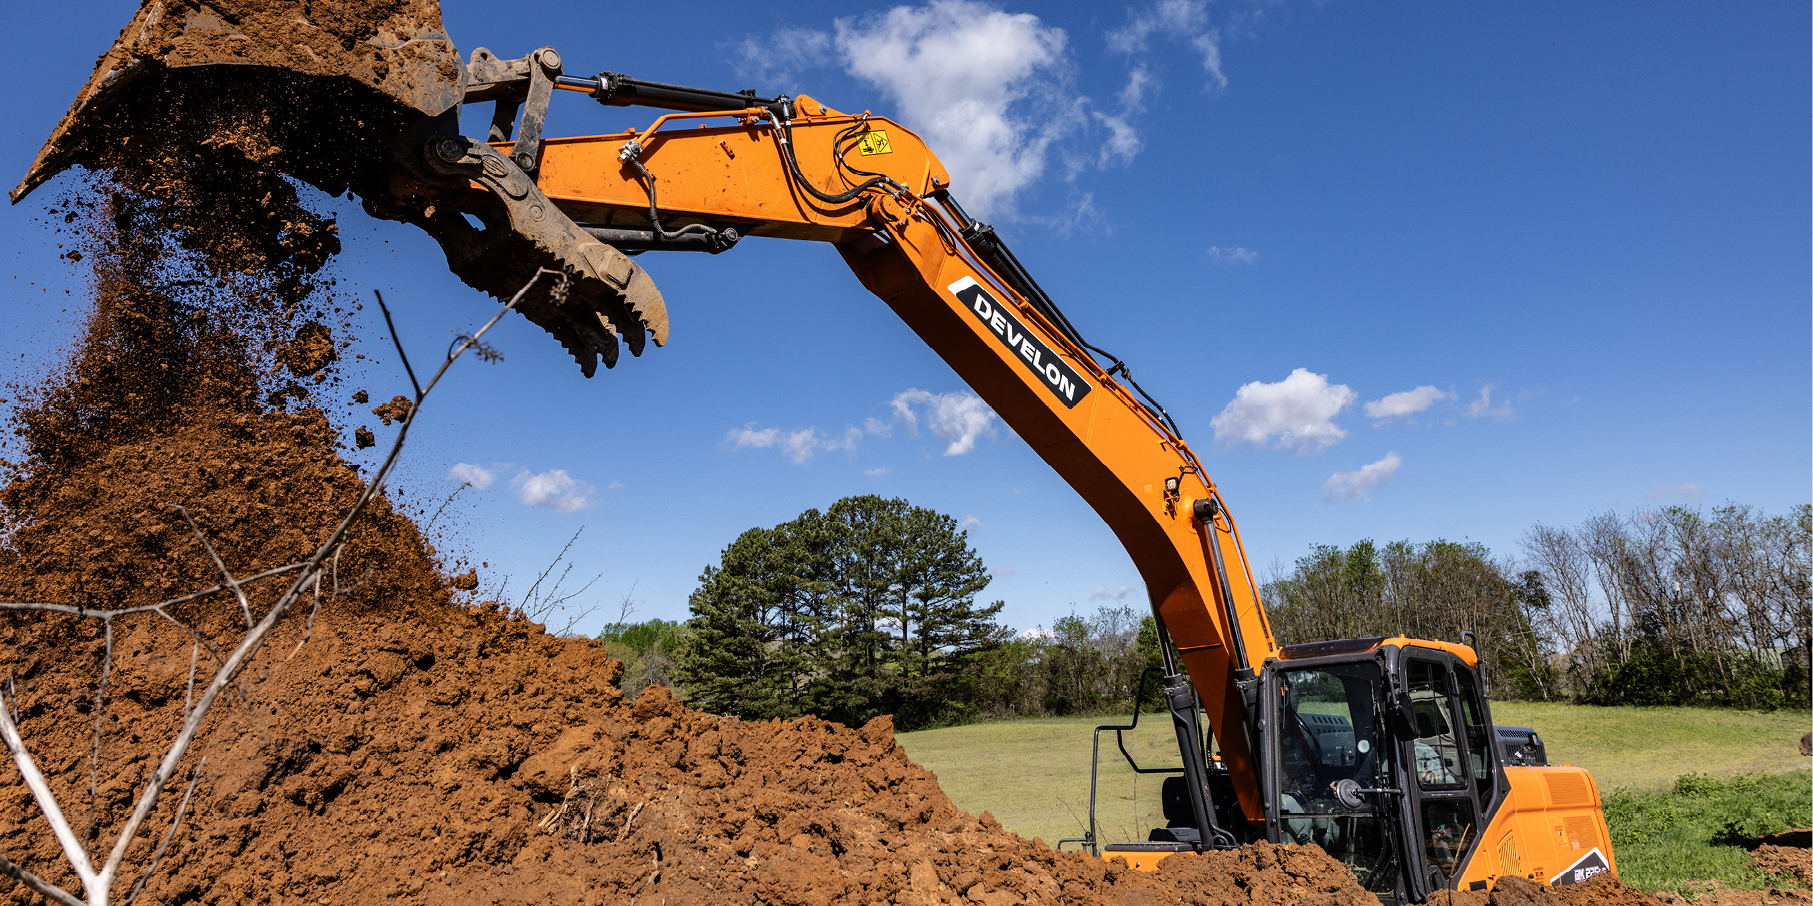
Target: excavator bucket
(351, 95)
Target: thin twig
(437, 513)
(405, 356)
(194, 778)
(50, 891)
(94, 755)
(244, 605)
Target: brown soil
(1604, 890)
(1786, 854)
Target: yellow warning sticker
(874, 143)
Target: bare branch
(170, 834)
(40, 791)
(244, 605)
(50, 891)
(100, 704)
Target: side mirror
(1402, 716)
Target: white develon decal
(1057, 375)
(1587, 866)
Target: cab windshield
(1329, 732)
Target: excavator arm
(797, 169)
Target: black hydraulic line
(784, 135)
(998, 256)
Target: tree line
(1668, 606)
(871, 607)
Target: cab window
(1479, 733)
(1437, 757)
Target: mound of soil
(1786, 854)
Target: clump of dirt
(1786, 854)
(1604, 890)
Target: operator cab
(1383, 753)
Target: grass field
(1033, 775)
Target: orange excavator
(1382, 750)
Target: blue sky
(1399, 270)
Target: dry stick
(99, 884)
(194, 778)
(142, 608)
(94, 755)
(244, 605)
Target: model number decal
(1058, 376)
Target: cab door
(1452, 779)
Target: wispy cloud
(1185, 21)
(1298, 411)
(970, 522)
(554, 489)
(958, 418)
(1686, 493)
(476, 476)
(1344, 486)
(872, 473)
(1232, 255)
(1106, 594)
(1000, 572)
(1406, 403)
(1483, 407)
(798, 445)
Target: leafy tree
(866, 608)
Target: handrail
(1089, 840)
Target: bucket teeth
(608, 301)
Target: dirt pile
(1786, 854)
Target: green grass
(1696, 831)
(1647, 748)
(1033, 775)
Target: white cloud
(1405, 403)
(476, 476)
(614, 485)
(1000, 572)
(783, 55)
(970, 522)
(1483, 408)
(1343, 486)
(988, 89)
(1232, 255)
(1299, 411)
(1036, 633)
(991, 91)
(877, 427)
(1687, 493)
(883, 470)
(1182, 20)
(1104, 594)
(799, 446)
(958, 418)
(554, 489)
